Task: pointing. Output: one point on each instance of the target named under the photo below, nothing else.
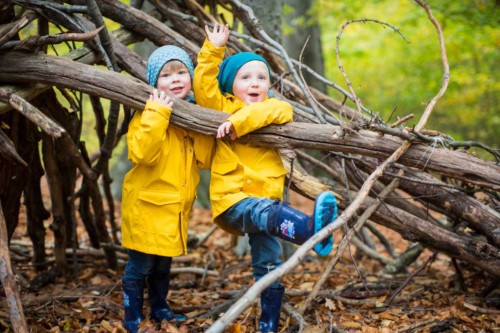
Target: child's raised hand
(226, 128)
(161, 97)
(219, 36)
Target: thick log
(427, 189)
(473, 251)
(25, 67)
(468, 249)
(83, 55)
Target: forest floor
(353, 299)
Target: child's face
(251, 82)
(174, 79)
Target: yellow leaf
(465, 318)
(388, 316)
(107, 326)
(306, 286)
(234, 328)
(351, 324)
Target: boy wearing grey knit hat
(159, 191)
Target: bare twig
(37, 41)
(15, 27)
(356, 100)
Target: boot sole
(325, 212)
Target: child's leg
(246, 217)
(296, 227)
(266, 251)
(138, 267)
(253, 215)
(158, 286)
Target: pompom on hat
(230, 66)
(161, 56)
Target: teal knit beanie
(161, 56)
(230, 67)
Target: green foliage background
(393, 77)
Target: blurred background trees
(395, 78)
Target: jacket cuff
(213, 50)
(163, 110)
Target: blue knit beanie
(161, 56)
(231, 65)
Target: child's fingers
(220, 133)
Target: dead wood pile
(374, 167)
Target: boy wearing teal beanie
(247, 180)
(159, 191)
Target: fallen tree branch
(9, 282)
(22, 67)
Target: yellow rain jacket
(159, 191)
(239, 170)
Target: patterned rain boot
(296, 227)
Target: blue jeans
(250, 216)
(141, 265)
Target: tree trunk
(301, 26)
(270, 14)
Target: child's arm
(147, 131)
(205, 84)
(255, 116)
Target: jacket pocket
(275, 182)
(158, 212)
(224, 167)
(226, 178)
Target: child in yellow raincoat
(159, 191)
(247, 180)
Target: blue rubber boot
(158, 286)
(296, 227)
(270, 302)
(133, 299)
